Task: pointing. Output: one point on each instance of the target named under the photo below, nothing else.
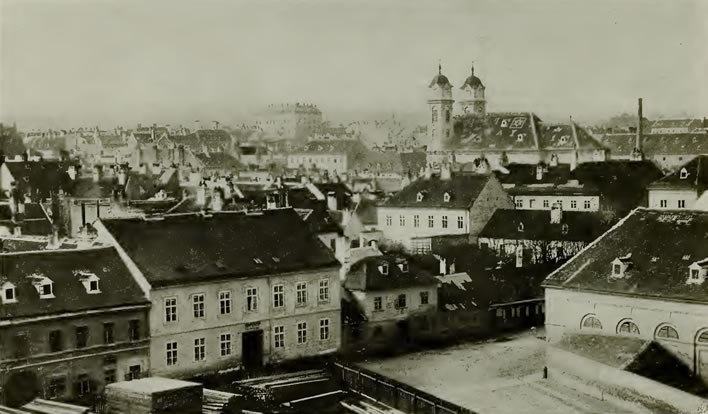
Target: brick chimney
(637, 150)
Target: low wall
(607, 380)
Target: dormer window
(403, 266)
(520, 138)
(617, 270)
(504, 123)
(563, 139)
(446, 197)
(419, 197)
(620, 266)
(564, 229)
(9, 295)
(683, 174)
(43, 285)
(520, 227)
(697, 272)
(383, 269)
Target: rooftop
(386, 272)
(661, 246)
(462, 190)
(536, 225)
(691, 175)
(220, 246)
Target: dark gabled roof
(39, 177)
(365, 274)
(86, 187)
(526, 174)
(112, 141)
(223, 246)
(692, 124)
(658, 144)
(366, 211)
(456, 293)
(341, 191)
(117, 286)
(536, 225)
(351, 147)
(696, 176)
(319, 220)
(496, 131)
(462, 188)
(34, 222)
(662, 245)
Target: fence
(393, 393)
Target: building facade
(683, 188)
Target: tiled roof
(366, 211)
(463, 190)
(662, 245)
(691, 124)
(696, 176)
(526, 174)
(63, 267)
(456, 293)
(34, 222)
(551, 189)
(657, 144)
(536, 225)
(112, 141)
(39, 177)
(223, 246)
(366, 274)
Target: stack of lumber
(154, 395)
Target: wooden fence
(393, 393)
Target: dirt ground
(500, 377)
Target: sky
(66, 63)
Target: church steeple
(473, 91)
(440, 117)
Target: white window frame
(389, 221)
(460, 222)
(225, 339)
(279, 336)
(252, 299)
(171, 353)
(225, 303)
(301, 293)
(402, 220)
(323, 293)
(199, 306)
(199, 349)
(587, 204)
(378, 304)
(301, 333)
(431, 222)
(278, 296)
(444, 222)
(324, 329)
(416, 220)
(170, 304)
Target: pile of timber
(154, 395)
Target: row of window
(226, 343)
(587, 204)
(309, 160)
(431, 221)
(628, 327)
(679, 203)
(401, 301)
(226, 302)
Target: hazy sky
(68, 63)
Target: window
(435, 115)
(573, 204)
(46, 289)
(171, 353)
(591, 322)
(401, 301)
(55, 341)
(681, 203)
(324, 291)
(389, 221)
(663, 203)
(520, 227)
(324, 329)
(586, 204)
(134, 329)
(378, 304)
(560, 203)
(109, 376)
(444, 222)
(278, 301)
(108, 333)
(431, 221)
(225, 302)
(419, 197)
(278, 337)
(447, 115)
(424, 298)
(628, 327)
(416, 221)
(446, 197)
(402, 221)
(225, 344)
(199, 349)
(56, 388)
(81, 336)
(384, 269)
(617, 269)
(133, 372)
(252, 299)
(301, 332)
(460, 222)
(198, 305)
(546, 204)
(301, 293)
(531, 201)
(519, 203)
(93, 286)
(667, 331)
(684, 173)
(8, 294)
(695, 274)
(84, 385)
(170, 309)
(564, 229)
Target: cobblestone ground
(494, 377)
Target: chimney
(71, 171)
(445, 173)
(122, 177)
(519, 256)
(556, 214)
(428, 172)
(554, 160)
(96, 174)
(539, 172)
(142, 169)
(152, 132)
(17, 231)
(637, 151)
(215, 125)
(217, 200)
(331, 201)
(443, 266)
(201, 194)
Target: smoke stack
(640, 116)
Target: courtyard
(499, 376)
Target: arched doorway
(20, 388)
(700, 354)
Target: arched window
(667, 331)
(591, 322)
(628, 327)
(703, 337)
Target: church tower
(473, 101)
(440, 112)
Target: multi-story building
(683, 189)
(71, 321)
(337, 156)
(289, 121)
(397, 299)
(444, 205)
(235, 289)
(644, 279)
(679, 126)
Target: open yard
(499, 377)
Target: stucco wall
(403, 234)
(535, 202)
(672, 197)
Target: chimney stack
(637, 151)
(539, 172)
(331, 201)
(445, 173)
(556, 214)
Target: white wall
(672, 198)
(536, 202)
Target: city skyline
(116, 63)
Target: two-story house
(444, 205)
(71, 321)
(682, 189)
(396, 298)
(231, 289)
